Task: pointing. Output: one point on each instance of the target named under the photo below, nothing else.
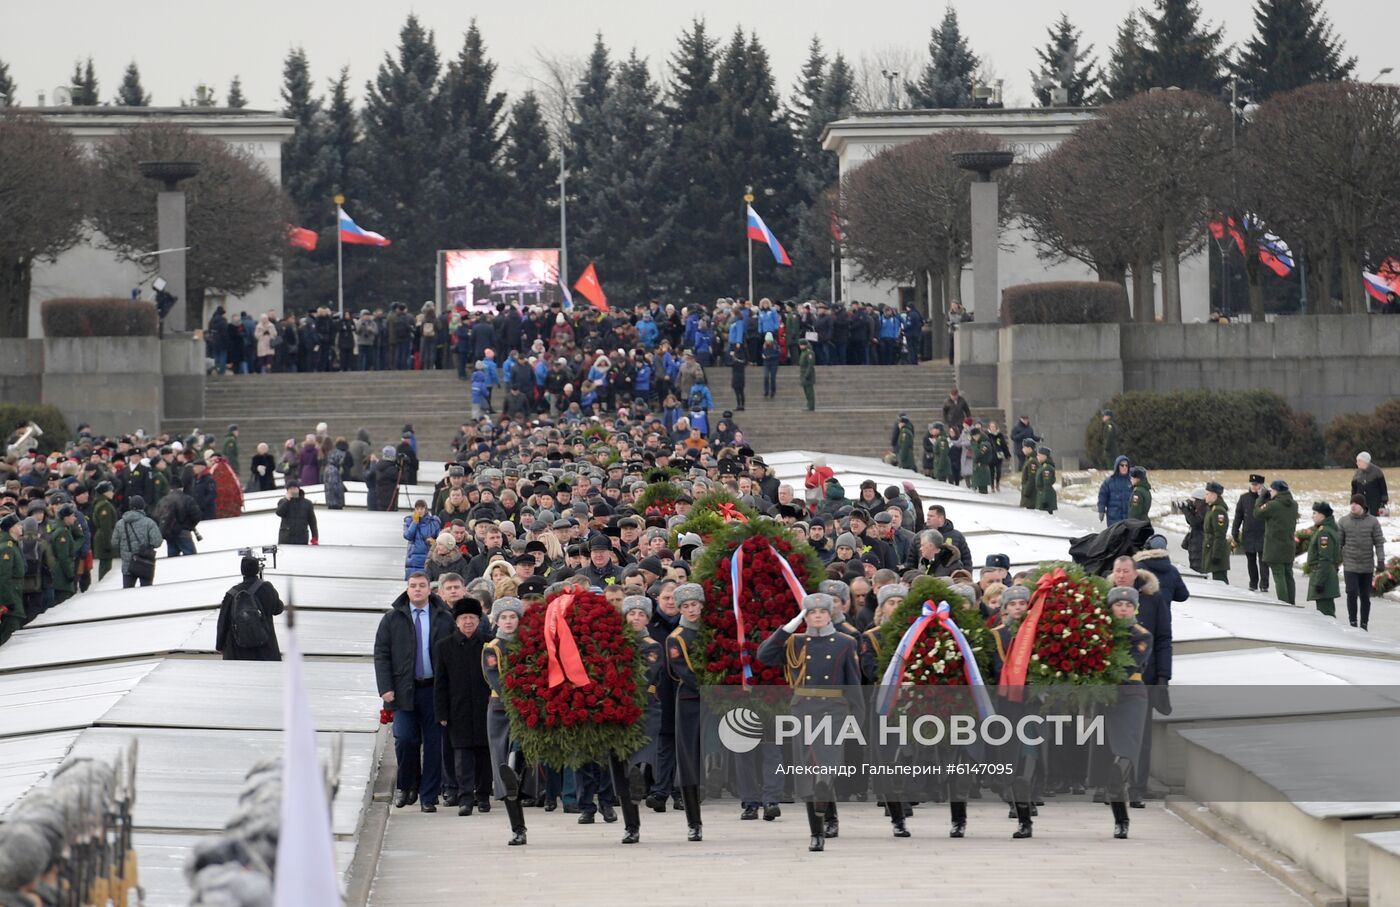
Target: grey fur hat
(507, 603)
(818, 601)
(637, 603)
(1123, 594)
(893, 590)
(689, 592)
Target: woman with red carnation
(680, 651)
(822, 669)
(505, 617)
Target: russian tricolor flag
(353, 233)
(1384, 280)
(759, 231)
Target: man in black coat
(230, 641)
(403, 671)
(298, 516)
(178, 515)
(1020, 432)
(1154, 615)
(1248, 535)
(938, 519)
(460, 698)
(203, 489)
(664, 619)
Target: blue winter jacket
(737, 328)
(1115, 494)
(647, 332)
(481, 387)
(420, 536)
(769, 322)
(642, 385)
(493, 375)
(704, 341)
(890, 327)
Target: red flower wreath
(1077, 640)
(565, 726)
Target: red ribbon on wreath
(560, 649)
(1018, 660)
(730, 513)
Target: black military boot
(897, 819)
(833, 822)
(511, 781)
(690, 797)
(1120, 819)
(1023, 821)
(814, 822)
(631, 820)
(959, 811)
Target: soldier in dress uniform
(1028, 473)
(1324, 557)
(1215, 541)
(818, 665)
(633, 779)
(1125, 718)
(680, 664)
(1045, 496)
(505, 617)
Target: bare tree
(873, 72)
(555, 81)
(42, 179)
(237, 220)
(1331, 178)
(906, 217)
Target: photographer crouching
(245, 631)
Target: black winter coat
(460, 692)
(177, 512)
(395, 647)
(205, 495)
(1246, 530)
(1155, 615)
(298, 521)
(270, 603)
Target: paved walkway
(443, 859)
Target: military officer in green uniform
(1277, 510)
(1045, 496)
(936, 447)
(11, 577)
(230, 448)
(807, 374)
(58, 530)
(1029, 469)
(904, 449)
(1110, 440)
(984, 457)
(1215, 543)
(104, 520)
(1140, 503)
(1324, 556)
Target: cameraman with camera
(245, 631)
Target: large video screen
(490, 279)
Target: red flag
(835, 227)
(589, 288)
(301, 238)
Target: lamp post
(170, 229)
(984, 224)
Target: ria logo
(741, 730)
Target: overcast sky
(177, 44)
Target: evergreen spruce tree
(302, 178)
(631, 233)
(1293, 45)
(469, 155)
(84, 85)
(528, 217)
(236, 100)
(396, 189)
(1127, 73)
(8, 88)
(584, 131)
(1066, 63)
(1181, 51)
(952, 67)
(697, 180)
(819, 172)
(130, 93)
(341, 132)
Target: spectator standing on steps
(1248, 535)
(807, 375)
(1369, 482)
(955, 408)
(1361, 537)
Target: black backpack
(249, 627)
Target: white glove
(791, 626)
(262, 470)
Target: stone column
(170, 232)
(986, 302)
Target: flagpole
(339, 261)
(748, 200)
(833, 276)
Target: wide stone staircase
(856, 406)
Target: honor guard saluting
(1126, 717)
(818, 665)
(505, 615)
(680, 655)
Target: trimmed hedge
(1064, 302)
(1378, 433)
(98, 317)
(1210, 430)
(55, 427)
